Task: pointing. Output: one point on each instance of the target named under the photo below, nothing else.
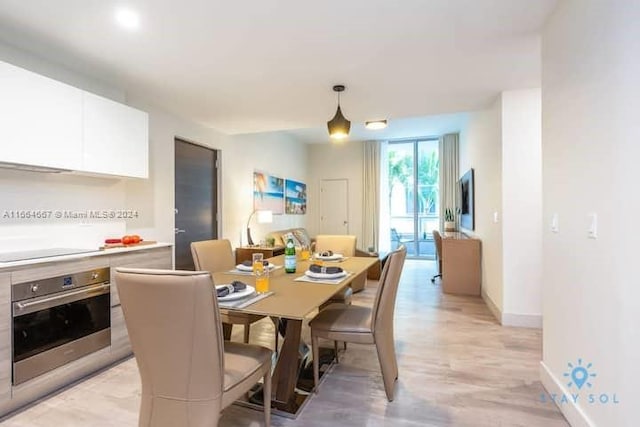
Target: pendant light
(339, 126)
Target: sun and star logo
(579, 375)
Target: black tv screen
(466, 201)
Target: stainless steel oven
(59, 319)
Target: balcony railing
(402, 232)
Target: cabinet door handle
(178, 230)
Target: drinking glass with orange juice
(262, 278)
(305, 254)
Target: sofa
(301, 236)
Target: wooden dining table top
(291, 299)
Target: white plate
(242, 267)
(325, 275)
(249, 290)
(333, 257)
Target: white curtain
(371, 199)
(384, 219)
(449, 175)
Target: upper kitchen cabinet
(116, 138)
(40, 120)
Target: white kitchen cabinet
(116, 138)
(40, 120)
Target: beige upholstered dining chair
(216, 256)
(188, 372)
(345, 245)
(365, 325)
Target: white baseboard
(512, 319)
(522, 320)
(571, 410)
(493, 308)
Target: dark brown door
(196, 191)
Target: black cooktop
(40, 253)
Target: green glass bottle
(290, 257)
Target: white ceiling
(254, 66)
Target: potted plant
(449, 220)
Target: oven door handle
(20, 308)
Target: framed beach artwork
(295, 197)
(268, 192)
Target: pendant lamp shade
(338, 126)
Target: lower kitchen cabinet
(120, 344)
(5, 337)
(13, 396)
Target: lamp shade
(265, 217)
(339, 126)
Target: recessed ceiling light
(375, 124)
(127, 18)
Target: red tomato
(127, 240)
(135, 238)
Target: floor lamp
(264, 217)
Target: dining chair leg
(275, 321)
(247, 331)
(388, 364)
(316, 362)
(335, 349)
(344, 344)
(266, 397)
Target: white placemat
(245, 302)
(305, 278)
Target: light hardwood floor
(458, 367)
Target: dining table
(293, 301)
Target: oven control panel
(52, 285)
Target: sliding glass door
(413, 167)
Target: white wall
(481, 149)
(503, 145)
(273, 152)
(336, 161)
(522, 208)
(591, 134)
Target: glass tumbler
(305, 254)
(262, 279)
(257, 262)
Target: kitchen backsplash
(39, 210)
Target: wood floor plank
(457, 367)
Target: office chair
(437, 240)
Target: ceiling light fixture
(375, 124)
(339, 126)
(127, 18)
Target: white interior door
(334, 208)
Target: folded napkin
(249, 263)
(324, 270)
(235, 286)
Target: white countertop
(111, 251)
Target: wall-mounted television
(467, 219)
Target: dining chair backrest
(339, 243)
(213, 255)
(385, 302)
(174, 326)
